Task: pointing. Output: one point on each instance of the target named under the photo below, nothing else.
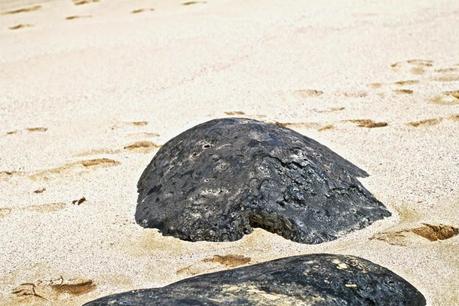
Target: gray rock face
(318, 279)
(220, 179)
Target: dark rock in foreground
(318, 279)
(220, 179)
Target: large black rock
(220, 179)
(318, 279)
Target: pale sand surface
(85, 80)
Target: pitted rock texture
(317, 279)
(220, 179)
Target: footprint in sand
(433, 121)
(81, 2)
(4, 212)
(425, 122)
(327, 127)
(142, 146)
(403, 91)
(77, 17)
(305, 125)
(20, 26)
(129, 123)
(375, 85)
(406, 82)
(297, 124)
(420, 62)
(98, 152)
(308, 93)
(447, 77)
(44, 208)
(40, 208)
(234, 113)
(138, 123)
(416, 66)
(51, 290)
(447, 98)
(23, 10)
(37, 129)
(144, 134)
(40, 190)
(142, 10)
(417, 70)
(208, 264)
(329, 110)
(427, 231)
(30, 130)
(193, 2)
(353, 94)
(367, 123)
(4, 175)
(228, 260)
(75, 167)
(446, 70)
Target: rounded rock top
(222, 178)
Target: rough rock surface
(317, 279)
(220, 179)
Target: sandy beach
(89, 90)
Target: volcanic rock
(317, 279)
(220, 179)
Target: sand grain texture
(113, 86)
